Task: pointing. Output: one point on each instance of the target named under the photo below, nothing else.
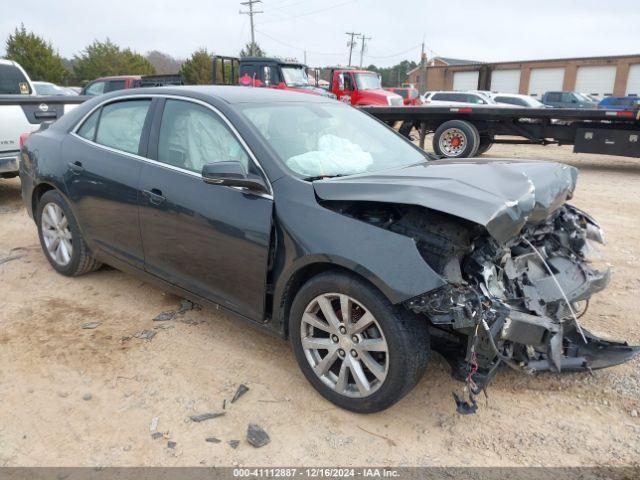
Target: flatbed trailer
(467, 131)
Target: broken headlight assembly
(519, 304)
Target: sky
(474, 30)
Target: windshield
(368, 81)
(49, 89)
(583, 97)
(295, 77)
(330, 139)
(13, 81)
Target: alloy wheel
(344, 345)
(56, 234)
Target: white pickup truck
(22, 111)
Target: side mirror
(341, 81)
(232, 174)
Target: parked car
(456, 98)
(109, 84)
(568, 100)
(48, 88)
(517, 100)
(410, 95)
(315, 221)
(21, 111)
(620, 103)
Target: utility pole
(351, 44)
(423, 71)
(251, 13)
(364, 39)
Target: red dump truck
(354, 86)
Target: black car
(315, 221)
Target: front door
(212, 240)
(102, 175)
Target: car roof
(227, 93)
(118, 77)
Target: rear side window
(114, 85)
(88, 128)
(121, 125)
(13, 81)
(554, 97)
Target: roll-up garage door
(545, 80)
(633, 80)
(505, 81)
(596, 81)
(465, 80)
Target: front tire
(364, 360)
(60, 237)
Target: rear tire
(60, 237)
(456, 139)
(394, 371)
(486, 142)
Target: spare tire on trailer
(456, 139)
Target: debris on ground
(634, 413)
(11, 257)
(256, 436)
(205, 416)
(224, 403)
(162, 326)
(145, 335)
(186, 305)
(165, 316)
(87, 396)
(171, 444)
(212, 440)
(234, 443)
(156, 435)
(89, 325)
(242, 389)
(153, 426)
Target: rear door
(212, 240)
(104, 163)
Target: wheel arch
(309, 268)
(37, 194)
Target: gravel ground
(89, 396)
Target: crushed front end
(518, 302)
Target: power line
(364, 39)
(251, 13)
(330, 7)
(351, 43)
(296, 47)
(396, 54)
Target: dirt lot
(71, 396)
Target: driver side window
(192, 136)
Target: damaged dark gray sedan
(313, 220)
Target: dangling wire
(573, 314)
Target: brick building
(597, 76)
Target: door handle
(154, 195)
(76, 167)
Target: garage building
(596, 76)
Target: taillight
(23, 138)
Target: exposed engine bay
(515, 302)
